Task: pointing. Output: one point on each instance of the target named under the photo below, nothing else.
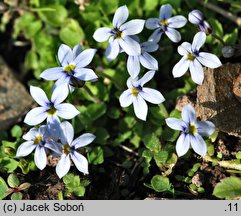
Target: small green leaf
(96, 156)
(24, 186)
(3, 188)
(17, 196)
(79, 191)
(152, 142)
(238, 155)
(229, 188)
(102, 135)
(13, 180)
(16, 131)
(161, 157)
(8, 164)
(55, 18)
(71, 33)
(160, 183)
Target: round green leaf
(13, 181)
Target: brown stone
(216, 100)
(14, 99)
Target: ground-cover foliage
(85, 64)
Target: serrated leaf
(229, 188)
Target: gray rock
(15, 101)
(216, 100)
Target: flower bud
(228, 51)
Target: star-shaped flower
(69, 149)
(50, 109)
(191, 131)
(37, 139)
(166, 24)
(194, 59)
(137, 94)
(196, 17)
(119, 36)
(73, 66)
(145, 59)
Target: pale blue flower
(69, 149)
(38, 140)
(196, 17)
(166, 24)
(50, 109)
(73, 66)
(137, 94)
(194, 59)
(191, 131)
(119, 37)
(145, 59)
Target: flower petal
(152, 23)
(152, 95)
(85, 74)
(205, 128)
(173, 35)
(133, 27)
(35, 116)
(80, 162)
(84, 58)
(67, 133)
(165, 11)
(184, 48)
(183, 144)
(63, 80)
(51, 119)
(147, 77)
(195, 17)
(126, 98)
(176, 124)
(181, 67)
(40, 157)
(209, 60)
(113, 49)
(130, 46)
(55, 147)
(102, 34)
(25, 149)
(39, 96)
(77, 50)
(140, 108)
(120, 16)
(177, 21)
(59, 94)
(31, 134)
(65, 55)
(188, 114)
(196, 71)
(198, 144)
(198, 40)
(63, 166)
(133, 66)
(52, 73)
(149, 46)
(83, 140)
(156, 36)
(148, 61)
(66, 111)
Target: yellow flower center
(52, 110)
(69, 68)
(190, 57)
(66, 149)
(135, 91)
(164, 22)
(37, 139)
(192, 128)
(118, 34)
